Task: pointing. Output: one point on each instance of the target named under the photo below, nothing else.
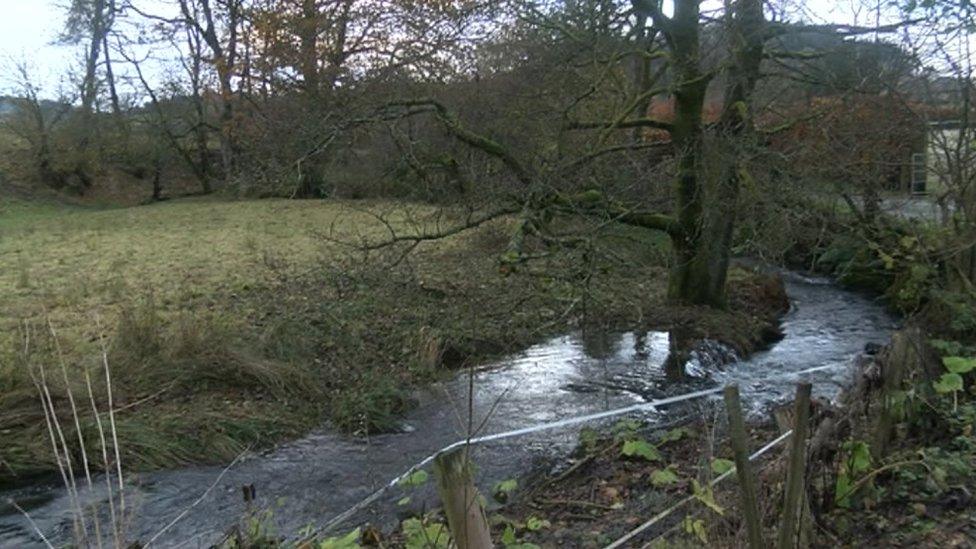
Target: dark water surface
(313, 479)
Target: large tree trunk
(89, 92)
(308, 34)
(224, 61)
(706, 213)
(696, 277)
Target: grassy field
(236, 324)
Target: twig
(54, 428)
(664, 514)
(116, 528)
(575, 503)
(31, 521)
(198, 500)
(111, 419)
(78, 433)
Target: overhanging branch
(489, 146)
(594, 203)
(624, 124)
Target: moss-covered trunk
(706, 213)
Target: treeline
(292, 97)
(702, 124)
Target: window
(919, 173)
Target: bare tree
(35, 121)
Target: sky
(29, 31)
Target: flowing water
(313, 479)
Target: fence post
(743, 469)
(796, 473)
(465, 516)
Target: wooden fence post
(743, 468)
(465, 516)
(796, 474)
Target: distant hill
(8, 105)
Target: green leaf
(842, 491)
(720, 466)
(588, 438)
(425, 536)
(860, 456)
(349, 541)
(508, 538)
(948, 383)
(705, 495)
(403, 501)
(535, 523)
(696, 527)
(417, 478)
(888, 260)
(959, 365)
(946, 347)
(625, 428)
(664, 477)
(642, 449)
(676, 434)
(506, 486)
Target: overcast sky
(29, 30)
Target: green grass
(237, 324)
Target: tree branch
(625, 124)
(490, 147)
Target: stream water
(313, 479)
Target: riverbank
(895, 475)
(311, 480)
(235, 325)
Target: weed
(372, 405)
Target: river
(309, 481)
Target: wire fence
(652, 405)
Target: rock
(872, 348)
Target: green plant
(676, 434)
(425, 534)
(625, 429)
(856, 461)
(504, 489)
(951, 382)
(349, 541)
(695, 527)
(414, 479)
(510, 540)
(664, 477)
(706, 496)
(588, 438)
(534, 524)
(640, 448)
(720, 466)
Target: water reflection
(680, 345)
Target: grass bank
(230, 325)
